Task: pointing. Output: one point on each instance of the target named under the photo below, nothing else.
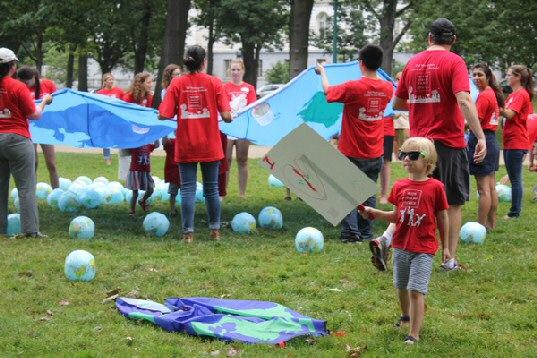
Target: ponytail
(491, 82)
(194, 57)
(526, 78)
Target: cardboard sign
(319, 174)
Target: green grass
(490, 310)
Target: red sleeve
(337, 93)
(251, 95)
(167, 108)
(482, 106)
(26, 103)
(441, 202)
(222, 97)
(517, 101)
(49, 87)
(460, 81)
(393, 195)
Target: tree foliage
(279, 73)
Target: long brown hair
(139, 93)
(26, 73)
(491, 82)
(526, 78)
(167, 74)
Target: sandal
(402, 321)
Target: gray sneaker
(381, 253)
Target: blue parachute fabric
(246, 321)
(81, 119)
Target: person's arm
(370, 213)
(469, 111)
(507, 113)
(47, 99)
(442, 223)
(400, 104)
(324, 79)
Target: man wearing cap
(17, 154)
(435, 88)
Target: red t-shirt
(16, 104)
(532, 130)
(196, 98)
(146, 102)
(239, 95)
(115, 92)
(417, 203)
(515, 132)
(389, 130)
(488, 110)
(140, 158)
(46, 86)
(429, 82)
(362, 127)
(171, 169)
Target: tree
(255, 24)
(279, 73)
(299, 35)
(209, 10)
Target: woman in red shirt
(17, 153)
(196, 98)
(140, 93)
(38, 88)
(515, 133)
(488, 105)
(240, 95)
(110, 90)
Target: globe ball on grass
(504, 193)
(274, 182)
(65, 183)
(243, 223)
(13, 224)
(309, 240)
(156, 224)
(91, 199)
(80, 266)
(42, 190)
(68, 202)
(82, 227)
(270, 218)
(473, 232)
(54, 197)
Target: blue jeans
(353, 225)
(209, 173)
(513, 163)
(106, 153)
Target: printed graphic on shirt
(143, 159)
(196, 106)
(239, 100)
(373, 110)
(4, 112)
(409, 203)
(423, 92)
(493, 118)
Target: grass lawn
(490, 310)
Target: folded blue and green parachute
(229, 320)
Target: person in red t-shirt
(108, 89)
(435, 88)
(139, 177)
(17, 153)
(420, 207)
(196, 98)
(385, 173)
(515, 133)
(362, 128)
(532, 136)
(240, 95)
(489, 101)
(38, 88)
(140, 93)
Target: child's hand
(365, 212)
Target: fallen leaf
(214, 353)
(45, 318)
(355, 352)
(339, 333)
(98, 328)
(64, 303)
(49, 312)
(232, 352)
(151, 269)
(134, 294)
(28, 273)
(225, 295)
(129, 341)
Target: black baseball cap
(442, 27)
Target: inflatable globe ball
(81, 227)
(243, 223)
(309, 240)
(274, 182)
(156, 224)
(68, 202)
(270, 218)
(91, 198)
(13, 224)
(473, 232)
(54, 197)
(65, 183)
(504, 193)
(42, 190)
(80, 266)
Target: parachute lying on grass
(230, 320)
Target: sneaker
(450, 265)
(30, 235)
(349, 239)
(380, 253)
(410, 340)
(188, 237)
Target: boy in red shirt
(362, 128)
(420, 206)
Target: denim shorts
(491, 163)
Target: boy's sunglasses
(410, 155)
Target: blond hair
(236, 61)
(427, 149)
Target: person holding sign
(362, 128)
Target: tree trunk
(299, 35)
(83, 72)
(39, 50)
(141, 46)
(70, 65)
(386, 33)
(248, 56)
(174, 39)
(210, 46)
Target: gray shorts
(412, 271)
(173, 189)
